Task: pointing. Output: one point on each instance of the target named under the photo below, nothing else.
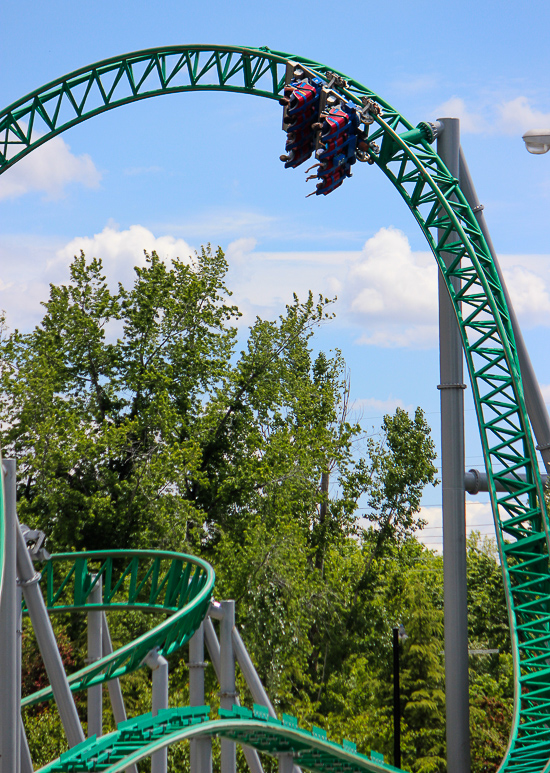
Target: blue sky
(175, 172)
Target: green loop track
(450, 227)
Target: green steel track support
(449, 225)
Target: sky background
(175, 172)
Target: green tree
(138, 421)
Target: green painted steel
(166, 583)
(137, 739)
(441, 211)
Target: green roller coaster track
(440, 209)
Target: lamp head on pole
(537, 141)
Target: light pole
(399, 635)
(537, 141)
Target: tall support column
(95, 651)
(29, 579)
(201, 748)
(227, 680)
(159, 666)
(10, 730)
(454, 501)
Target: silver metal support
(159, 666)
(23, 746)
(29, 579)
(251, 755)
(476, 481)
(200, 748)
(95, 652)
(10, 731)
(286, 763)
(534, 401)
(26, 761)
(115, 693)
(250, 674)
(227, 681)
(454, 500)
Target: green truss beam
(444, 216)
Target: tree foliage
(144, 417)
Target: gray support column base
(10, 697)
(454, 501)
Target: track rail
(160, 582)
(135, 740)
(441, 211)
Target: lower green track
(450, 227)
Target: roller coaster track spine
(449, 225)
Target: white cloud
(120, 251)
(517, 115)
(529, 295)
(455, 107)
(370, 404)
(504, 117)
(49, 169)
(391, 291)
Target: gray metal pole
(213, 645)
(115, 693)
(534, 401)
(454, 501)
(159, 666)
(200, 748)
(29, 579)
(10, 730)
(95, 652)
(26, 761)
(250, 674)
(227, 680)
(23, 745)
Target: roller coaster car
(301, 104)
